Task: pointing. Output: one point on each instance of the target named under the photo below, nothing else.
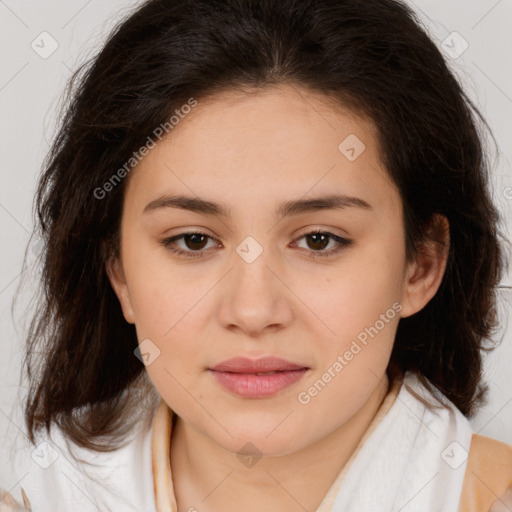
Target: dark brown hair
(374, 57)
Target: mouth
(257, 378)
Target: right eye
(193, 240)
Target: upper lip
(247, 365)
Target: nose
(255, 300)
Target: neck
(208, 478)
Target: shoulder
(488, 478)
(486, 483)
(56, 474)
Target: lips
(257, 378)
(255, 366)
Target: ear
(425, 273)
(117, 279)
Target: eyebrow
(285, 209)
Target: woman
(270, 270)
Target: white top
(410, 459)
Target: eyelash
(343, 242)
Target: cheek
(352, 296)
(169, 309)
(162, 293)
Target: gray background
(30, 90)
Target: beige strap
(9, 504)
(487, 483)
(160, 445)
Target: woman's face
(256, 175)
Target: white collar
(165, 499)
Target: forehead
(281, 141)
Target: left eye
(195, 241)
(319, 239)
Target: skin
(250, 153)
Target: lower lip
(250, 385)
